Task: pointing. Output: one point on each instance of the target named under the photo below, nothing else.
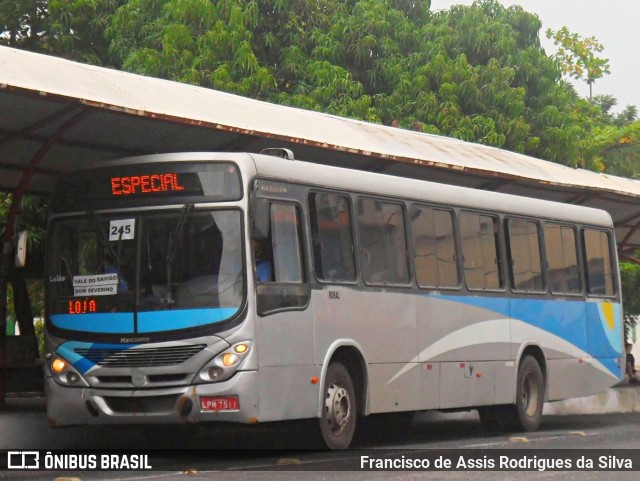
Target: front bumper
(68, 406)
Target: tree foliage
(477, 73)
(23, 23)
(578, 56)
(70, 28)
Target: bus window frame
(403, 206)
(303, 240)
(543, 260)
(456, 246)
(612, 258)
(353, 228)
(501, 254)
(579, 265)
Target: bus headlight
(225, 364)
(58, 365)
(215, 373)
(230, 359)
(65, 374)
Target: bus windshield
(145, 272)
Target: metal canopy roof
(56, 114)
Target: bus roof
(330, 177)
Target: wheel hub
(337, 407)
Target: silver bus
(247, 288)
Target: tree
(577, 56)
(71, 29)
(199, 42)
(76, 29)
(627, 116)
(26, 296)
(23, 24)
(482, 76)
(477, 73)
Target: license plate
(215, 404)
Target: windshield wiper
(172, 249)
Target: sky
(613, 22)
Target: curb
(619, 399)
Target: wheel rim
(529, 397)
(337, 407)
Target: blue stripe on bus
(612, 365)
(98, 322)
(67, 351)
(160, 321)
(148, 321)
(587, 325)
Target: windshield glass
(150, 272)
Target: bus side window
(597, 248)
(286, 287)
(525, 266)
(285, 243)
(332, 238)
(383, 246)
(434, 247)
(562, 259)
(482, 269)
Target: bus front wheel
(338, 420)
(526, 413)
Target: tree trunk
(22, 307)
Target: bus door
(284, 324)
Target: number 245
(120, 230)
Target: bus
(248, 288)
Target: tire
(338, 420)
(526, 413)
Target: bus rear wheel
(338, 420)
(526, 413)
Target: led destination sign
(145, 184)
(82, 307)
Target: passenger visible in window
(264, 268)
(630, 368)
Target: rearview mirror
(21, 249)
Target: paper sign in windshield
(123, 229)
(96, 285)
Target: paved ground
(223, 453)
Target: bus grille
(146, 357)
